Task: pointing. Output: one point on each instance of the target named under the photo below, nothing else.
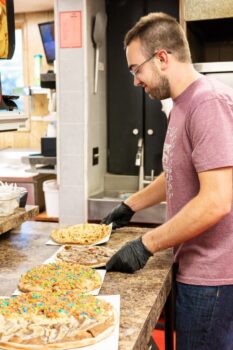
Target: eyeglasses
(135, 71)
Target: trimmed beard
(162, 89)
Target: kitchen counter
(20, 215)
(143, 294)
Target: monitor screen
(47, 36)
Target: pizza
(92, 256)
(60, 320)
(60, 276)
(82, 234)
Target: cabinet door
(155, 132)
(131, 114)
(171, 7)
(124, 101)
(155, 121)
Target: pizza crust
(81, 234)
(93, 331)
(66, 345)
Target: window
(12, 71)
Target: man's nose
(136, 81)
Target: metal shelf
(41, 164)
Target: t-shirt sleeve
(210, 129)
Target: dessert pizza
(60, 276)
(83, 234)
(60, 320)
(92, 256)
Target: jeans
(204, 317)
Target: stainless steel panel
(101, 204)
(214, 67)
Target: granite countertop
(20, 215)
(143, 294)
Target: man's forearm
(210, 205)
(150, 195)
(194, 218)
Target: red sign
(70, 29)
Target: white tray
(102, 241)
(111, 342)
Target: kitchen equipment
(48, 80)
(222, 71)
(98, 34)
(48, 146)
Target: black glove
(130, 258)
(119, 216)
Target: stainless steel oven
(220, 70)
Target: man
(196, 183)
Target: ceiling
(33, 5)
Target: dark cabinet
(211, 40)
(131, 113)
(124, 101)
(208, 25)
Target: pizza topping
(90, 256)
(60, 276)
(53, 317)
(60, 304)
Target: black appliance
(48, 80)
(49, 146)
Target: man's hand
(119, 216)
(131, 257)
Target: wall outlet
(95, 156)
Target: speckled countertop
(17, 218)
(142, 294)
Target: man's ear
(163, 58)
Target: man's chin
(156, 96)
(149, 93)
(152, 95)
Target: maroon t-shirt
(200, 138)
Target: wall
(82, 117)
(39, 104)
(96, 104)
(72, 127)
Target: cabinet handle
(135, 131)
(150, 132)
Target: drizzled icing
(54, 318)
(60, 276)
(56, 304)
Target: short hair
(158, 30)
